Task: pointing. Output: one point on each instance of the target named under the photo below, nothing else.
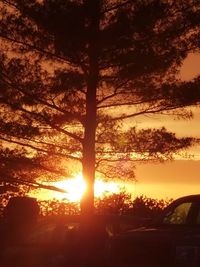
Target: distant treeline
(112, 204)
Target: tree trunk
(87, 203)
(88, 232)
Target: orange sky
(168, 180)
(180, 177)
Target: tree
(150, 208)
(58, 208)
(74, 74)
(114, 204)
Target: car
(173, 239)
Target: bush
(110, 204)
(56, 207)
(145, 207)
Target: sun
(75, 188)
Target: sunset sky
(168, 180)
(180, 177)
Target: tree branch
(114, 7)
(31, 184)
(41, 101)
(37, 148)
(40, 50)
(143, 112)
(53, 126)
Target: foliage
(110, 204)
(113, 204)
(66, 95)
(146, 207)
(56, 207)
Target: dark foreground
(173, 240)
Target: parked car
(172, 240)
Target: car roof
(188, 197)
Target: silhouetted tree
(113, 204)
(56, 207)
(73, 72)
(146, 207)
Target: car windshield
(178, 215)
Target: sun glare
(75, 187)
(102, 187)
